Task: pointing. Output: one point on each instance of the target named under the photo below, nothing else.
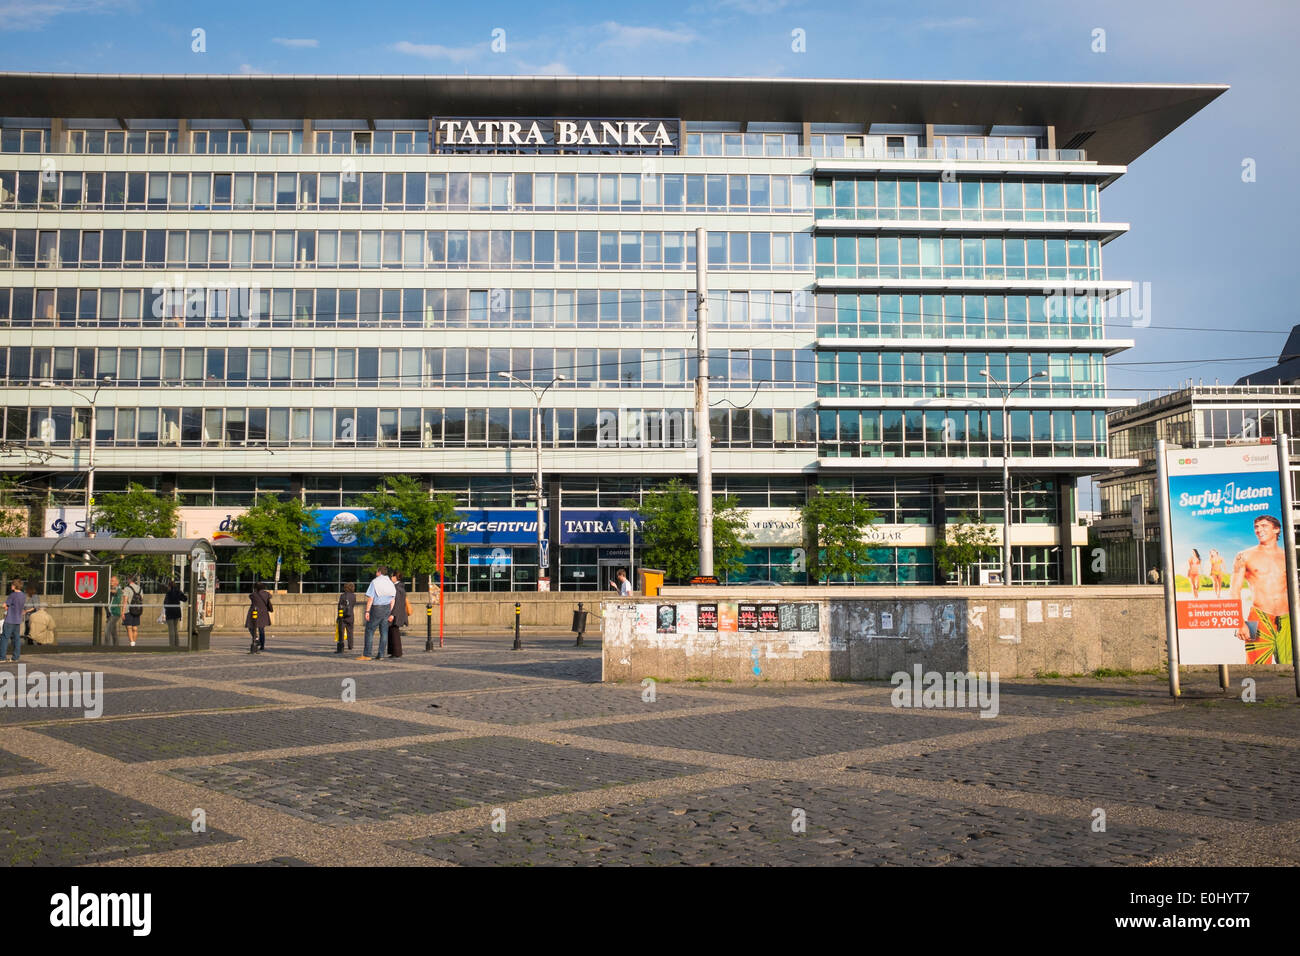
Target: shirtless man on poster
(1264, 567)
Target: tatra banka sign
(551, 135)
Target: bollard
(338, 633)
(518, 608)
(252, 648)
(579, 624)
(428, 627)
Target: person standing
(132, 607)
(623, 586)
(15, 604)
(347, 615)
(379, 611)
(172, 602)
(33, 604)
(114, 609)
(258, 617)
(401, 616)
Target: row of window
(904, 499)
(1205, 426)
(402, 367)
(413, 192)
(871, 315)
(933, 257)
(409, 427)
(246, 307)
(959, 433)
(1013, 200)
(959, 374)
(400, 249)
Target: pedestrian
(33, 604)
(401, 616)
(1153, 576)
(379, 611)
(347, 614)
(133, 607)
(15, 603)
(114, 608)
(623, 586)
(258, 617)
(172, 602)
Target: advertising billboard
(1229, 567)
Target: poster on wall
(727, 614)
(747, 617)
(769, 619)
(667, 618)
(707, 617)
(1229, 567)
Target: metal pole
(1167, 567)
(518, 645)
(90, 470)
(541, 555)
(1288, 545)
(1006, 492)
(703, 434)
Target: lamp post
(537, 430)
(1006, 467)
(90, 454)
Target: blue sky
(1216, 251)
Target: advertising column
(1225, 514)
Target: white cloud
(34, 14)
(300, 42)
(620, 34)
(247, 69)
(756, 7)
(554, 68)
(436, 51)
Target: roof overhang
(1114, 122)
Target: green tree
(275, 528)
(964, 545)
(833, 523)
(136, 513)
(670, 535)
(15, 522)
(401, 530)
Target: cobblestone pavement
(477, 754)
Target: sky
(1211, 251)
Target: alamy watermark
(1133, 305)
(82, 690)
(952, 689)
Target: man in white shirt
(623, 586)
(379, 611)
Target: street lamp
(103, 381)
(1006, 467)
(537, 430)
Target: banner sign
(1230, 583)
(470, 135)
(86, 584)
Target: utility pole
(703, 435)
(1007, 391)
(542, 562)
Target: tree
(276, 529)
(15, 520)
(670, 534)
(964, 545)
(136, 513)
(402, 528)
(833, 523)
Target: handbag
(162, 616)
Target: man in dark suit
(399, 620)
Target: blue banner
(495, 526)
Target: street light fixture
(103, 381)
(1006, 466)
(537, 431)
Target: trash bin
(580, 622)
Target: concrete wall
(862, 633)
(316, 613)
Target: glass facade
(379, 283)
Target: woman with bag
(401, 614)
(258, 618)
(347, 615)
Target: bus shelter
(86, 584)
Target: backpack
(136, 606)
